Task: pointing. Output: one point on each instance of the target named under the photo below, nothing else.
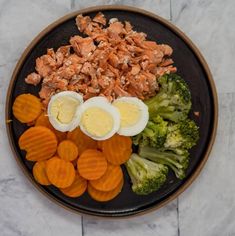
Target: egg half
(134, 115)
(98, 118)
(63, 110)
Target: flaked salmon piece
(128, 26)
(166, 62)
(88, 69)
(150, 45)
(166, 49)
(82, 22)
(42, 68)
(113, 60)
(33, 79)
(99, 18)
(82, 46)
(46, 92)
(135, 69)
(66, 72)
(159, 71)
(93, 90)
(154, 56)
(62, 53)
(119, 92)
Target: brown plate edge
(174, 29)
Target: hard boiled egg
(134, 115)
(98, 118)
(63, 110)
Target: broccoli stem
(176, 162)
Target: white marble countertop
(207, 208)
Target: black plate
(191, 66)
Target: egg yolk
(64, 109)
(97, 121)
(130, 113)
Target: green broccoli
(182, 135)
(178, 163)
(153, 135)
(173, 102)
(146, 176)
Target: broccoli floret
(154, 133)
(146, 176)
(178, 163)
(173, 102)
(183, 135)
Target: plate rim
(191, 45)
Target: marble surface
(207, 208)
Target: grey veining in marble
(207, 208)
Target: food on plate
(180, 138)
(43, 120)
(67, 150)
(107, 99)
(26, 108)
(109, 180)
(91, 164)
(104, 196)
(39, 173)
(63, 110)
(98, 118)
(112, 61)
(146, 176)
(154, 134)
(60, 173)
(117, 149)
(77, 188)
(173, 102)
(39, 142)
(82, 141)
(133, 114)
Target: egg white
(75, 120)
(103, 103)
(141, 123)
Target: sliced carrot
(99, 145)
(82, 141)
(60, 173)
(91, 164)
(27, 108)
(39, 173)
(67, 150)
(117, 149)
(39, 142)
(102, 196)
(43, 120)
(77, 188)
(110, 180)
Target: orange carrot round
(91, 164)
(77, 188)
(82, 141)
(43, 120)
(39, 142)
(102, 196)
(67, 150)
(26, 108)
(39, 173)
(60, 172)
(117, 149)
(110, 180)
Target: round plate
(191, 66)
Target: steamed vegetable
(146, 176)
(182, 135)
(153, 135)
(173, 102)
(178, 163)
